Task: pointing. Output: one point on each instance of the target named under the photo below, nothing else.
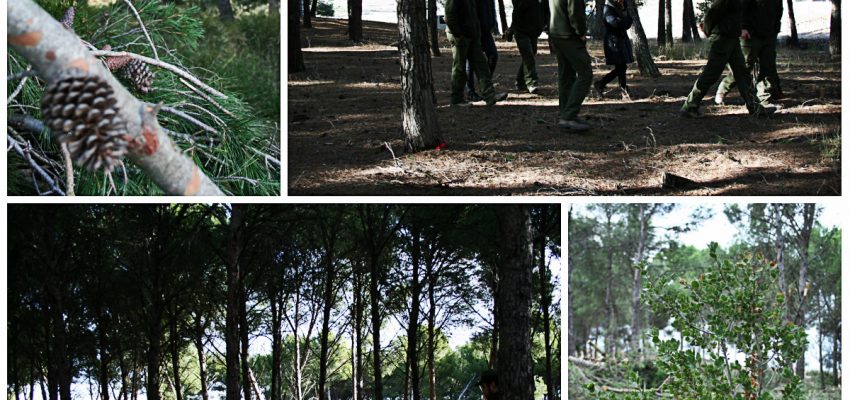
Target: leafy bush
(325, 9)
(732, 313)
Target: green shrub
(325, 9)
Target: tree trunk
(154, 355)
(374, 298)
(545, 300)
(419, 113)
(413, 322)
(202, 360)
(641, 45)
(668, 32)
(313, 8)
(686, 21)
(225, 10)
(357, 368)
(793, 40)
(276, 343)
(493, 360)
(175, 353)
(516, 381)
(503, 18)
(820, 343)
(432, 27)
(836, 359)
(102, 327)
(59, 372)
(643, 216)
(243, 339)
(432, 320)
(835, 29)
(328, 299)
(234, 281)
(691, 21)
(610, 330)
(306, 13)
(355, 20)
(662, 25)
(571, 345)
(296, 57)
(809, 211)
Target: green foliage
(324, 9)
(732, 329)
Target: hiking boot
(718, 98)
(764, 111)
(573, 126)
(472, 96)
(497, 98)
(690, 113)
(600, 89)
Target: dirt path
(347, 105)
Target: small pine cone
(138, 73)
(80, 110)
(68, 19)
(116, 63)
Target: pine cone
(80, 111)
(138, 74)
(68, 19)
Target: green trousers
(763, 52)
(574, 75)
(526, 76)
(724, 50)
(463, 49)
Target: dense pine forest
(192, 301)
(656, 309)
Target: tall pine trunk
(641, 46)
(794, 39)
(296, 57)
(419, 113)
(154, 355)
(610, 330)
(231, 331)
(690, 30)
(328, 300)
(835, 29)
(809, 211)
(357, 368)
(276, 342)
(662, 25)
(516, 381)
(432, 317)
(202, 359)
(668, 32)
(413, 322)
(243, 340)
(432, 28)
(545, 300)
(306, 13)
(175, 352)
(636, 276)
(374, 298)
(355, 20)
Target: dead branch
(142, 25)
(69, 169)
(24, 154)
(53, 52)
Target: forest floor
(347, 105)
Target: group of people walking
(741, 33)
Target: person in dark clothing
(529, 20)
(618, 47)
(722, 23)
(761, 23)
(464, 33)
(568, 40)
(489, 383)
(487, 17)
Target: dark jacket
(618, 47)
(763, 18)
(568, 19)
(724, 18)
(462, 18)
(530, 16)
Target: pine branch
(24, 154)
(53, 52)
(144, 30)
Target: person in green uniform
(567, 37)
(762, 20)
(722, 24)
(464, 32)
(528, 22)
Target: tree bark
(225, 10)
(357, 321)
(296, 57)
(662, 25)
(835, 29)
(668, 31)
(328, 301)
(643, 217)
(314, 8)
(306, 13)
(413, 322)
(355, 20)
(154, 354)
(545, 301)
(275, 327)
(809, 211)
(102, 327)
(175, 353)
(432, 27)
(419, 113)
(610, 330)
(202, 360)
(690, 30)
(159, 158)
(374, 298)
(516, 380)
(243, 340)
(431, 278)
(793, 40)
(231, 332)
(641, 45)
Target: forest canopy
(192, 301)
